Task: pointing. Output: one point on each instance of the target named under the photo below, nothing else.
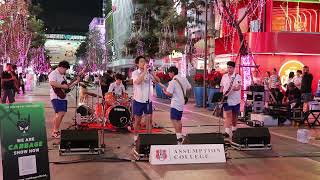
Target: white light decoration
(246, 71)
(183, 69)
(81, 62)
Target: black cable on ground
(113, 160)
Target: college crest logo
(161, 154)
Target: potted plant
(198, 89)
(213, 81)
(164, 79)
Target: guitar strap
(231, 84)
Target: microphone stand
(103, 103)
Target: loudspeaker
(71, 139)
(204, 138)
(144, 141)
(246, 136)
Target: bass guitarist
(231, 88)
(56, 79)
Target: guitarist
(56, 78)
(231, 89)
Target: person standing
(105, 82)
(142, 93)
(177, 89)
(21, 82)
(290, 78)
(231, 88)
(306, 83)
(56, 77)
(8, 83)
(297, 79)
(256, 80)
(274, 84)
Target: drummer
(117, 87)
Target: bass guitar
(62, 93)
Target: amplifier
(144, 141)
(79, 139)
(256, 88)
(247, 136)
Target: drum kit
(113, 112)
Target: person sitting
(292, 96)
(117, 87)
(292, 99)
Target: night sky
(69, 16)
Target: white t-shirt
(177, 100)
(117, 89)
(56, 76)
(142, 92)
(297, 80)
(234, 97)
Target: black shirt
(7, 84)
(306, 83)
(107, 79)
(294, 94)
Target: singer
(142, 93)
(231, 88)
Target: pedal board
(255, 123)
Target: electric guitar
(62, 93)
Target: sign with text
(187, 154)
(24, 141)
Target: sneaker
(56, 135)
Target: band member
(177, 89)
(142, 93)
(8, 83)
(117, 87)
(56, 77)
(231, 88)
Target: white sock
(135, 137)
(233, 128)
(227, 130)
(179, 135)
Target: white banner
(187, 154)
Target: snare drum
(118, 116)
(84, 110)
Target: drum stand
(75, 124)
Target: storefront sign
(286, 68)
(24, 141)
(187, 154)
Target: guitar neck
(71, 82)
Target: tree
(157, 30)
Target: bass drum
(84, 110)
(118, 116)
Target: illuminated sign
(60, 50)
(286, 68)
(65, 37)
